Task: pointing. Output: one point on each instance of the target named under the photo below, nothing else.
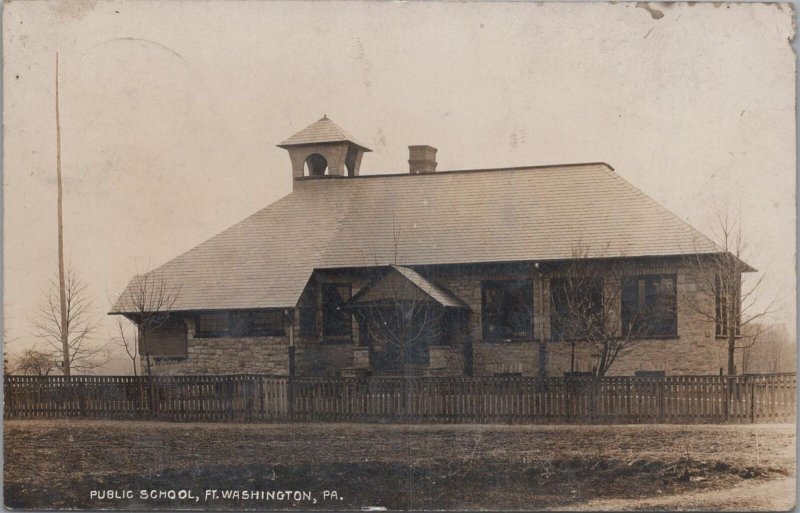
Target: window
(336, 323)
(574, 306)
(268, 323)
(259, 323)
(649, 306)
(724, 292)
(239, 323)
(212, 324)
(507, 310)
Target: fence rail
(607, 400)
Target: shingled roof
(322, 131)
(456, 217)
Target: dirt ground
(290, 466)
(773, 494)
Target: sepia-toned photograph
(369, 256)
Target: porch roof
(403, 283)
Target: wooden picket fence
(243, 398)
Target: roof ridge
(460, 171)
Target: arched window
(316, 165)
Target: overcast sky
(171, 112)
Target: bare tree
(36, 363)
(779, 354)
(402, 318)
(728, 294)
(76, 327)
(586, 299)
(775, 351)
(146, 303)
(66, 362)
(129, 342)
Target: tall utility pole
(62, 289)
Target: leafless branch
(727, 297)
(33, 362)
(147, 302)
(83, 354)
(588, 292)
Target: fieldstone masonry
(361, 357)
(695, 350)
(250, 355)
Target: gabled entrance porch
(408, 326)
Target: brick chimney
(421, 159)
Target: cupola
(324, 149)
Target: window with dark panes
(240, 324)
(574, 306)
(335, 322)
(649, 306)
(214, 324)
(507, 310)
(268, 323)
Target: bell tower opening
(323, 149)
(316, 165)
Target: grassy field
(58, 464)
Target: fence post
(728, 385)
(404, 393)
(752, 400)
(628, 398)
(7, 409)
(153, 396)
(290, 390)
(81, 398)
(660, 385)
(143, 407)
(249, 402)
